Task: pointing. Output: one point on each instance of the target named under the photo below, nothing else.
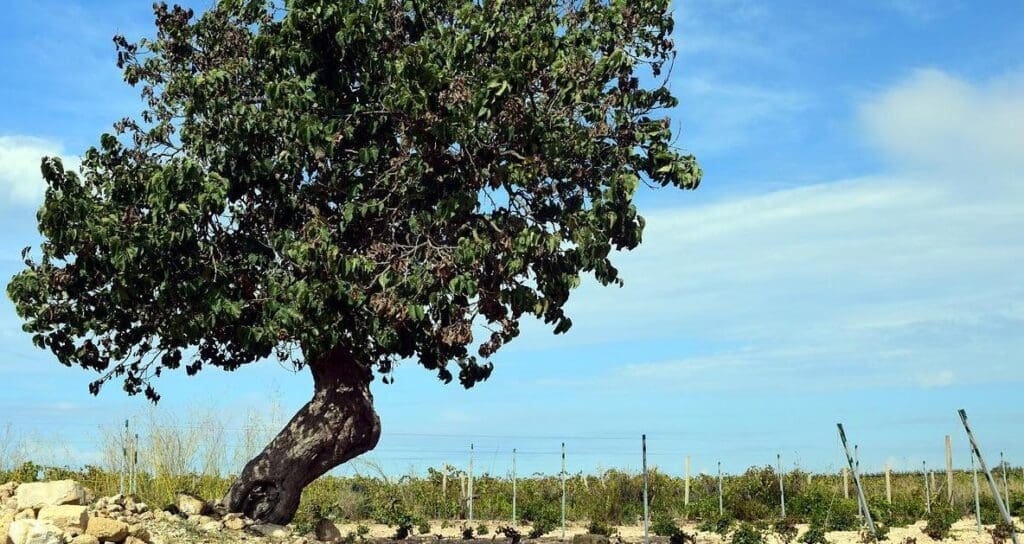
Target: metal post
(988, 476)
(721, 508)
(469, 485)
(927, 489)
(647, 514)
(856, 481)
(949, 469)
(856, 467)
(563, 490)
(1006, 485)
(782, 488)
(513, 487)
(977, 497)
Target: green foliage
(815, 534)
(482, 529)
(881, 533)
(939, 522)
(664, 526)
(467, 533)
(602, 528)
(717, 524)
(747, 533)
(513, 535)
(1001, 532)
(541, 527)
(785, 529)
(423, 528)
(371, 175)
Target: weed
(746, 533)
(786, 530)
(467, 533)
(815, 535)
(511, 533)
(939, 523)
(602, 528)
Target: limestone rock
(7, 491)
(271, 530)
(39, 494)
(27, 513)
(235, 524)
(107, 529)
(190, 505)
(590, 539)
(85, 539)
(66, 517)
(30, 531)
(327, 531)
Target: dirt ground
(964, 532)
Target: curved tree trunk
(339, 423)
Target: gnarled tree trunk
(338, 424)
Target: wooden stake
(563, 490)
(927, 490)
(647, 513)
(721, 508)
(846, 484)
(513, 487)
(782, 487)
(469, 488)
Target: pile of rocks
(62, 512)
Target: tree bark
(337, 424)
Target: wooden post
(782, 487)
(846, 484)
(888, 483)
(977, 498)
(949, 469)
(647, 514)
(808, 478)
(686, 487)
(721, 508)
(469, 488)
(988, 476)
(563, 490)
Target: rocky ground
(64, 512)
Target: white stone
(65, 516)
(271, 530)
(30, 531)
(40, 494)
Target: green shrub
(665, 526)
(881, 533)
(467, 533)
(786, 530)
(746, 533)
(597, 527)
(482, 529)
(424, 528)
(718, 524)
(542, 527)
(815, 535)
(939, 522)
(511, 533)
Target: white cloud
(21, 183)
(905, 279)
(937, 122)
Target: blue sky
(853, 255)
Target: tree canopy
(406, 178)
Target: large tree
(347, 184)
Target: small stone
(65, 516)
(138, 531)
(271, 530)
(147, 515)
(211, 526)
(85, 539)
(107, 529)
(134, 540)
(190, 505)
(235, 524)
(30, 531)
(327, 531)
(7, 490)
(39, 494)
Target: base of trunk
(337, 424)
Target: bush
(467, 533)
(786, 530)
(511, 533)
(482, 529)
(424, 528)
(939, 522)
(542, 527)
(601, 528)
(815, 535)
(718, 524)
(746, 533)
(1001, 532)
(881, 533)
(665, 526)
